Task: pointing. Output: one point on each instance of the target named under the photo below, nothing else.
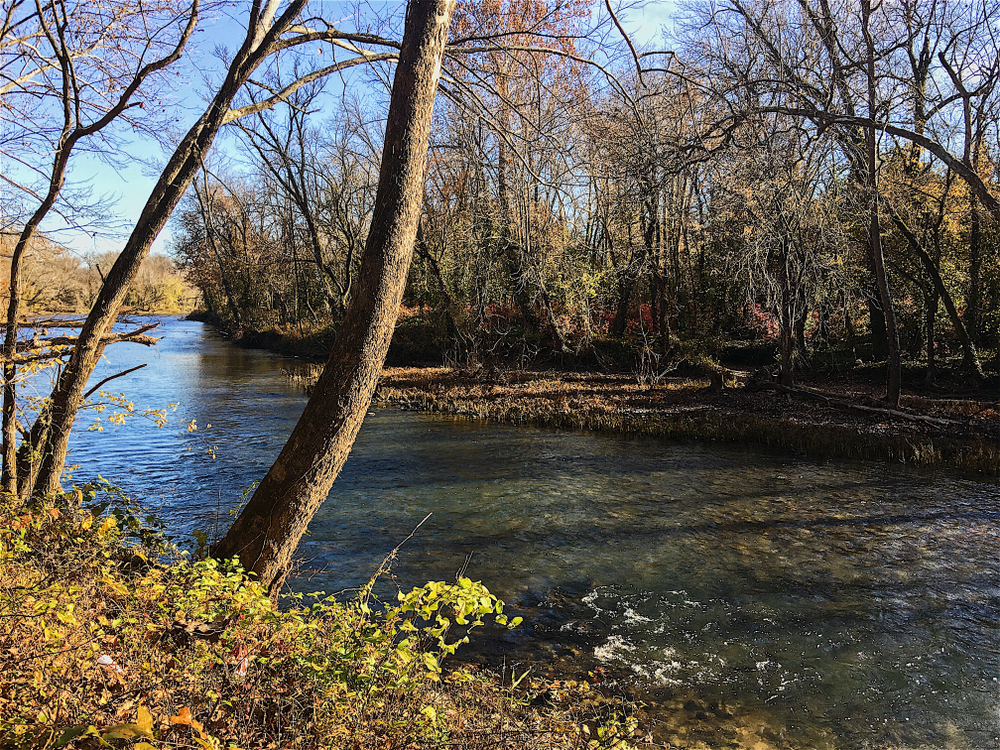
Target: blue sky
(126, 186)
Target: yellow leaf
(144, 746)
(144, 719)
(106, 525)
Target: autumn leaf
(144, 720)
(124, 732)
(184, 717)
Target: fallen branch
(123, 317)
(53, 323)
(834, 401)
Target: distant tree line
(56, 280)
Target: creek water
(785, 601)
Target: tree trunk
(874, 226)
(786, 376)
(974, 299)
(850, 332)
(876, 322)
(970, 356)
(799, 327)
(620, 321)
(68, 393)
(67, 396)
(513, 253)
(268, 530)
(930, 320)
(894, 382)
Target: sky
(124, 187)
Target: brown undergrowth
(967, 437)
(110, 638)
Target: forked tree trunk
(268, 530)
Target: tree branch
(97, 387)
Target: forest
(730, 189)
(769, 224)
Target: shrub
(111, 637)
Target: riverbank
(841, 422)
(110, 636)
(834, 416)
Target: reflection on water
(842, 604)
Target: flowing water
(784, 601)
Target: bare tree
(90, 97)
(268, 34)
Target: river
(820, 603)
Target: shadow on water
(750, 598)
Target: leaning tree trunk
(268, 529)
(970, 355)
(46, 454)
(67, 396)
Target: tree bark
(268, 530)
(264, 36)
(874, 227)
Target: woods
(812, 179)
(768, 223)
(809, 174)
(806, 171)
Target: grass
(111, 638)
